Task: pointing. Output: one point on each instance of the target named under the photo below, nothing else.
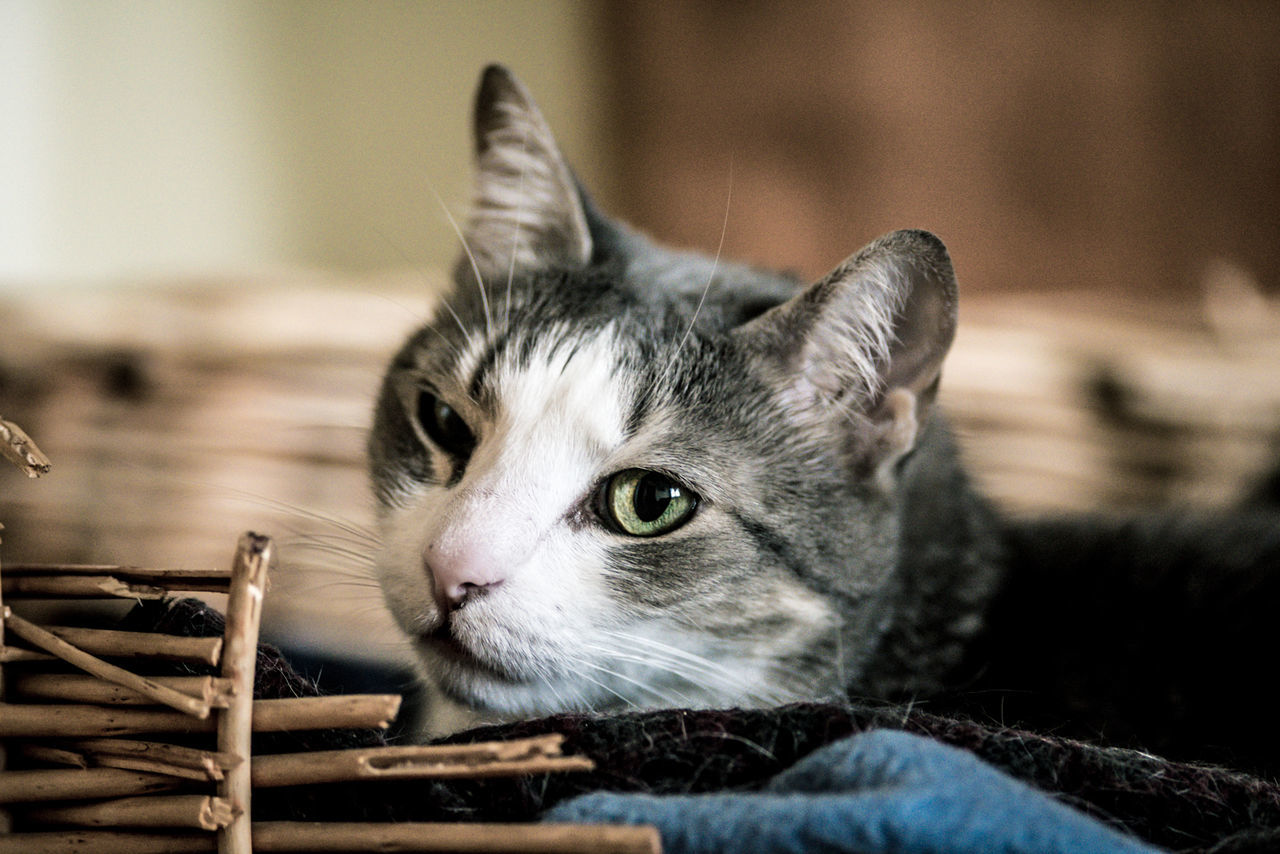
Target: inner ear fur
(867, 340)
(527, 213)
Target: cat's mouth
(444, 645)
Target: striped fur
(573, 348)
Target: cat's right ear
(862, 350)
(527, 213)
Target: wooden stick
(80, 587)
(174, 754)
(350, 711)
(156, 575)
(439, 836)
(64, 650)
(17, 655)
(52, 755)
(106, 842)
(29, 720)
(332, 766)
(203, 812)
(120, 644)
(17, 447)
(209, 770)
(155, 757)
(90, 689)
(58, 756)
(119, 584)
(359, 836)
(491, 759)
(235, 723)
(129, 645)
(151, 766)
(300, 768)
(61, 784)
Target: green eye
(646, 504)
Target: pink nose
(461, 574)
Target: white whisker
(363, 558)
(315, 539)
(360, 532)
(671, 666)
(602, 686)
(692, 658)
(475, 266)
(663, 696)
(341, 583)
(466, 333)
(669, 698)
(715, 265)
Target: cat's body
(1156, 631)
(611, 475)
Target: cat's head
(613, 474)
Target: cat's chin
(453, 661)
(466, 678)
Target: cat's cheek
(526, 646)
(540, 617)
(405, 586)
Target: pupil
(653, 494)
(448, 420)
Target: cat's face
(613, 475)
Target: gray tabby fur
(837, 545)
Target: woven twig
(235, 723)
(17, 447)
(73, 655)
(138, 776)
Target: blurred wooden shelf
(175, 415)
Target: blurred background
(217, 219)
(1055, 146)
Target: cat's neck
(950, 564)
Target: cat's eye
(646, 503)
(444, 426)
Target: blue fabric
(880, 791)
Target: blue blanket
(881, 791)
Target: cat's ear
(527, 213)
(864, 346)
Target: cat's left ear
(527, 213)
(864, 346)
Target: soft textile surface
(1173, 805)
(874, 793)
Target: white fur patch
(559, 418)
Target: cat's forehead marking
(565, 380)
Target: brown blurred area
(1106, 176)
(1055, 146)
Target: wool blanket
(916, 782)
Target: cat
(610, 474)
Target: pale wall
(147, 139)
